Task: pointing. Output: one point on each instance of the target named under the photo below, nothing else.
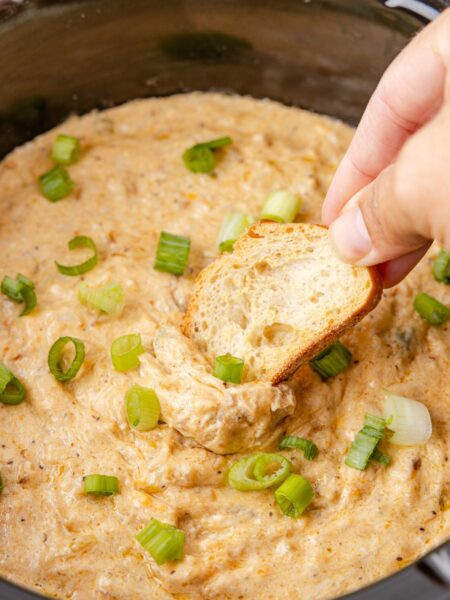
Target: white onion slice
(409, 419)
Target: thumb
(405, 207)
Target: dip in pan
(130, 183)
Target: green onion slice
(162, 541)
(441, 267)
(200, 158)
(294, 495)
(100, 485)
(80, 241)
(233, 226)
(409, 420)
(331, 361)
(255, 472)
(55, 358)
(365, 443)
(108, 299)
(143, 408)
(379, 457)
(11, 389)
(172, 253)
(431, 309)
(66, 149)
(229, 368)
(281, 206)
(56, 184)
(308, 448)
(125, 351)
(271, 469)
(20, 290)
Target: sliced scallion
(172, 253)
(308, 448)
(142, 407)
(66, 149)
(200, 158)
(80, 241)
(11, 389)
(365, 443)
(271, 469)
(125, 352)
(255, 472)
(381, 458)
(56, 184)
(294, 495)
(56, 355)
(20, 290)
(409, 420)
(100, 485)
(431, 309)
(281, 206)
(108, 299)
(441, 267)
(331, 361)
(229, 368)
(164, 542)
(233, 226)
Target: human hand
(390, 196)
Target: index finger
(409, 93)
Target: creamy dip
(130, 185)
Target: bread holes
(279, 334)
(238, 316)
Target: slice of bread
(276, 301)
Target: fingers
(407, 205)
(393, 271)
(408, 95)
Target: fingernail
(350, 238)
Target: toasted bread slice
(278, 299)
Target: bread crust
(304, 353)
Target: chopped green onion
(125, 351)
(408, 419)
(20, 290)
(13, 289)
(229, 368)
(365, 442)
(172, 253)
(80, 241)
(100, 485)
(108, 299)
(265, 471)
(308, 448)
(162, 541)
(331, 361)
(200, 158)
(431, 309)
(379, 457)
(55, 358)
(294, 495)
(252, 473)
(11, 390)
(56, 184)
(66, 149)
(233, 226)
(143, 408)
(441, 267)
(281, 206)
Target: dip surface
(131, 184)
